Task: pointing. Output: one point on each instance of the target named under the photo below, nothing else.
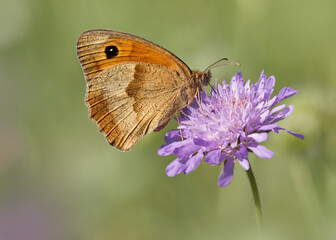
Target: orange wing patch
(92, 47)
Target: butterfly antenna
(219, 64)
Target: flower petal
(183, 159)
(186, 149)
(227, 174)
(223, 157)
(268, 127)
(264, 116)
(243, 162)
(278, 108)
(298, 135)
(204, 143)
(243, 151)
(193, 162)
(172, 136)
(261, 151)
(282, 114)
(286, 92)
(242, 157)
(174, 168)
(269, 86)
(213, 157)
(259, 137)
(168, 149)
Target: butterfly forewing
(92, 47)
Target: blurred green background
(59, 179)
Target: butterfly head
(202, 78)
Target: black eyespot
(111, 51)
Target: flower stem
(256, 197)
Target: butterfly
(134, 87)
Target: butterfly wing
(133, 86)
(101, 49)
(130, 100)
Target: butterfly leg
(178, 120)
(199, 102)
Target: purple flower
(236, 118)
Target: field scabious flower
(236, 118)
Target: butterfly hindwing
(129, 100)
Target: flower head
(236, 118)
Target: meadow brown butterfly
(134, 87)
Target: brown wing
(100, 49)
(130, 100)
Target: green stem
(256, 197)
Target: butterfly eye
(111, 51)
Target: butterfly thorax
(195, 83)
